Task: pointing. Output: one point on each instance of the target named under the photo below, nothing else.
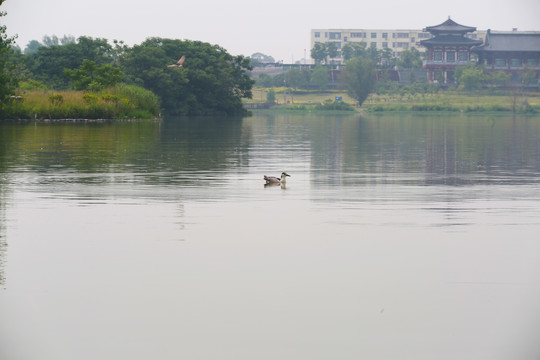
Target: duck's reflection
(282, 185)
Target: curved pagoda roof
(450, 40)
(450, 27)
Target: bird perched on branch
(179, 63)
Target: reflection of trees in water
(3, 243)
(149, 151)
(447, 149)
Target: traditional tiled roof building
(449, 47)
(513, 52)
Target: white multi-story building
(394, 39)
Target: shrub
(56, 99)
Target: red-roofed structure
(449, 47)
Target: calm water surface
(396, 237)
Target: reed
(120, 102)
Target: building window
(345, 39)
(424, 35)
(500, 63)
(335, 36)
(317, 34)
(437, 56)
(532, 62)
(373, 35)
(385, 45)
(463, 56)
(403, 44)
(402, 35)
(358, 35)
(413, 40)
(516, 63)
(450, 56)
(385, 35)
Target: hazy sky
(280, 28)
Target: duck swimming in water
(276, 181)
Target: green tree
(264, 80)
(318, 53)
(373, 54)
(47, 64)
(211, 80)
(331, 50)
(89, 76)
(410, 59)
(271, 96)
(352, 50)
(319, 77)
(295, 78)
(32, 47)
(500, 78)
(470, 77)
(359, 75)
(8, 81)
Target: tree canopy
(8, 81)
(322, 51)
(359, 75)
(210, 81)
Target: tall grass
(120, 102)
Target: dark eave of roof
(450, 26)
(450, 40)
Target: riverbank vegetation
(92, 78)
(408, 99)
(119, 102)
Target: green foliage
(359, 75)
(120, 102)
(330, 105)
(297, 78)
(410, 59)
(140, 97)
(322, 51)
(264, 80)
(354, 50)
(320, 77)
(32, 85)
(470, 77)
(271, 97)
(8, 80)
(318, 53)
(89, 76)
(47, 63)
(56, 99)
(211, 80)
(90, 98)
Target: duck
(179, 63)
(275, 180)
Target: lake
(396, 237)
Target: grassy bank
(446, 101)
(119, 102)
